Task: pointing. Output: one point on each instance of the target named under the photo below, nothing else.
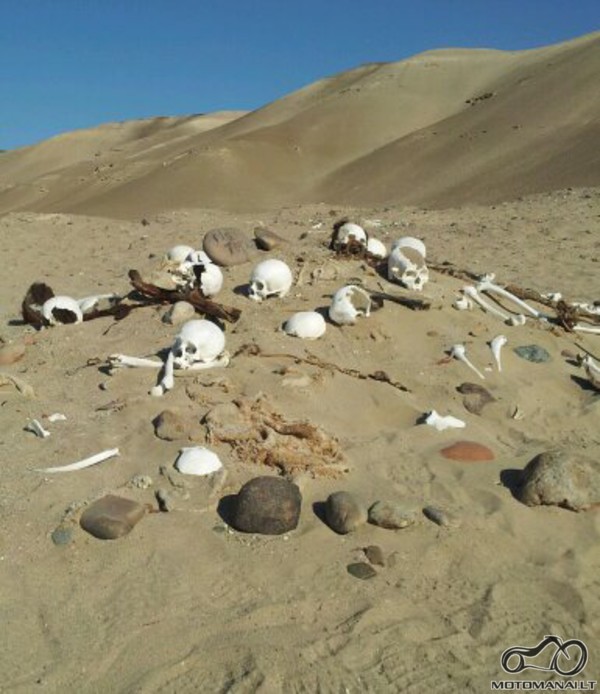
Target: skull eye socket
(178, 353)
(190, 348)
(259, 285)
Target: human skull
(198, 341)
(270, 277)
(411, 242)
(376, 248)
(308, 325)
(347, 235)
(348, 304)
(205, 275)
(178, 254)
(61, 310)
(407, 265)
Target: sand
(184, 603)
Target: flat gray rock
(532, 353)
(268, 506)
(392, 514)
(561, 478)
(227, 246)
(111, 517)
(344, 512)
(361, 570)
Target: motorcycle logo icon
(569, 657)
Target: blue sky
(68, 64)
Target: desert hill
(442, 128)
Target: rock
(267, 505)
(533, 353)
(62, 534)
(171, 425)
(476, 397)
(392, 514)
(111, 517)
(374, 554)
(266, 239)
(9, 354)
(560, 478)
(227, 246)
(164, 500)
(344, 513)
(436, 515)
(180, 312)
(140, 481)
(467, 452)
(361, 570)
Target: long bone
(472, 293)
(592, 371)
(579, 327)
(496, 346)
(116, 361)
(460, 352)
(487, 285)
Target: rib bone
(86, 462)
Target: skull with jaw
(406, 264)
(270, 277)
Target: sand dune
(442, 128)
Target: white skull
(348, 304)
(410, 242)
(270, 278)
(349, 232)
(308, 325)
(198, 341)
(376, 248)
(196, 272)
(61, 310)
(407, 266)
(178, 254)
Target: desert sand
(508, 183)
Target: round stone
(180, 312)
(266, 239)
(227, 246)
(533, 353)
(111, 517)
(392, 514)
(267, 505)
(468, 452)
(374, 555)
(344, 513)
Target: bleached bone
(57, 417)
(463, 303)
(89, 302)
(586, 307)
(116, 361)
(178, 254)
(460, 352)
(407, 266)
(376, 248)
(86, 462)
(61, 303)
(206, 275)
(581, 328)
(496, 345)
(486, 284)
(35, 426)
(592, 371)
(348, 304)
(518, 320)
(554, 297)
(308, 325)
(441, 423)
(410, 242)
(349, 232)
(270, 277)
(471, 292)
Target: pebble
(9, 354)
(227, 246)
(141, 481)
(267, 505)
(436, 515)
(476, 397)
(178, 313)
(266, 239)
(533, 353)
(561, 478)
(467, 452)
(63, 534)
(171, 425)
(374, 554)
(164, 500)
(392, 514)
(111, 517)
(344, 513)
(361, 570)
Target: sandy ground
(183, 604)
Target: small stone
(468, 452)
(164, 500)
(180, 312)
(171, 425)
(374, 554)
(9, 354)
(436, 515)
(266, 239)
(361, 570)
(63, 534)
(227, 246)
(111, 517)
(141, 481)
(561, 478)
(533, 353)
(476, 397)
(344, 513)
(392, 514)
(267, 505)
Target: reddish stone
(468, 452)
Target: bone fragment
(487, 285)
(472, 293)
(592, 371)
(56, 417)
(35, 427)
(167, 381)
(464, 303)
(86, 462)
(441, 423)
(116, 361)
(23, 388)
(89, 302)
(580, 328)
(459, 352)
(496, 345)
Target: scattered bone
(440, 423)
(81, 464)
(57, 417)
(91, 302)
(269, 278)
(517, 413)
(460, 352)
(35, 427)
(592, 371)
(178, 254)
(62, 310)
(496, 346)
(406, 264)
(348, 237)
(487, 285)
(117, 361)
(349, 303)
(308, 325)
(579, 327)
(463, 303)
(472, 294)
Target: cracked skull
(406, 264)
(270, 277)
(198, 341)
